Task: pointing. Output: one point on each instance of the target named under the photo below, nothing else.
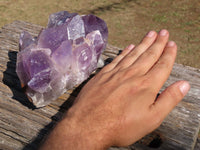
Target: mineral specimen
(63, 55)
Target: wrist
(83, 132)
(72, 133)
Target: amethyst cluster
(63, 55)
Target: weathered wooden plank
(21, 124)
(6, 142)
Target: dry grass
(128, 20)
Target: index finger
(160, 72)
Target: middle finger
(138, 50)
(147, 60)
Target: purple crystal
(64, 55)
(52, 37)
(60, 18)
(25, 40)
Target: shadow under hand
(43, 133)
(11, 79)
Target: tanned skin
(118, 106)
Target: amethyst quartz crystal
(63, 55)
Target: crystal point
(63, 55)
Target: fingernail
(151, 34)
(130, 47)
(184, 87)
(163, 32)
(170, 43)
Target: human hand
(118, 106)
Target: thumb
(170, 97)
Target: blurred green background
(127, 20)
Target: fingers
(168, 99)
(152, 54)
(147, 41)
(162, 69)
(118, 58)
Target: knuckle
(151, 53)
(147, 41)
(163, 64)
(174, 94)
(161, 40)
(146, 82)
(134, 53)
(130, 72)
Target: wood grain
(24, 127)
